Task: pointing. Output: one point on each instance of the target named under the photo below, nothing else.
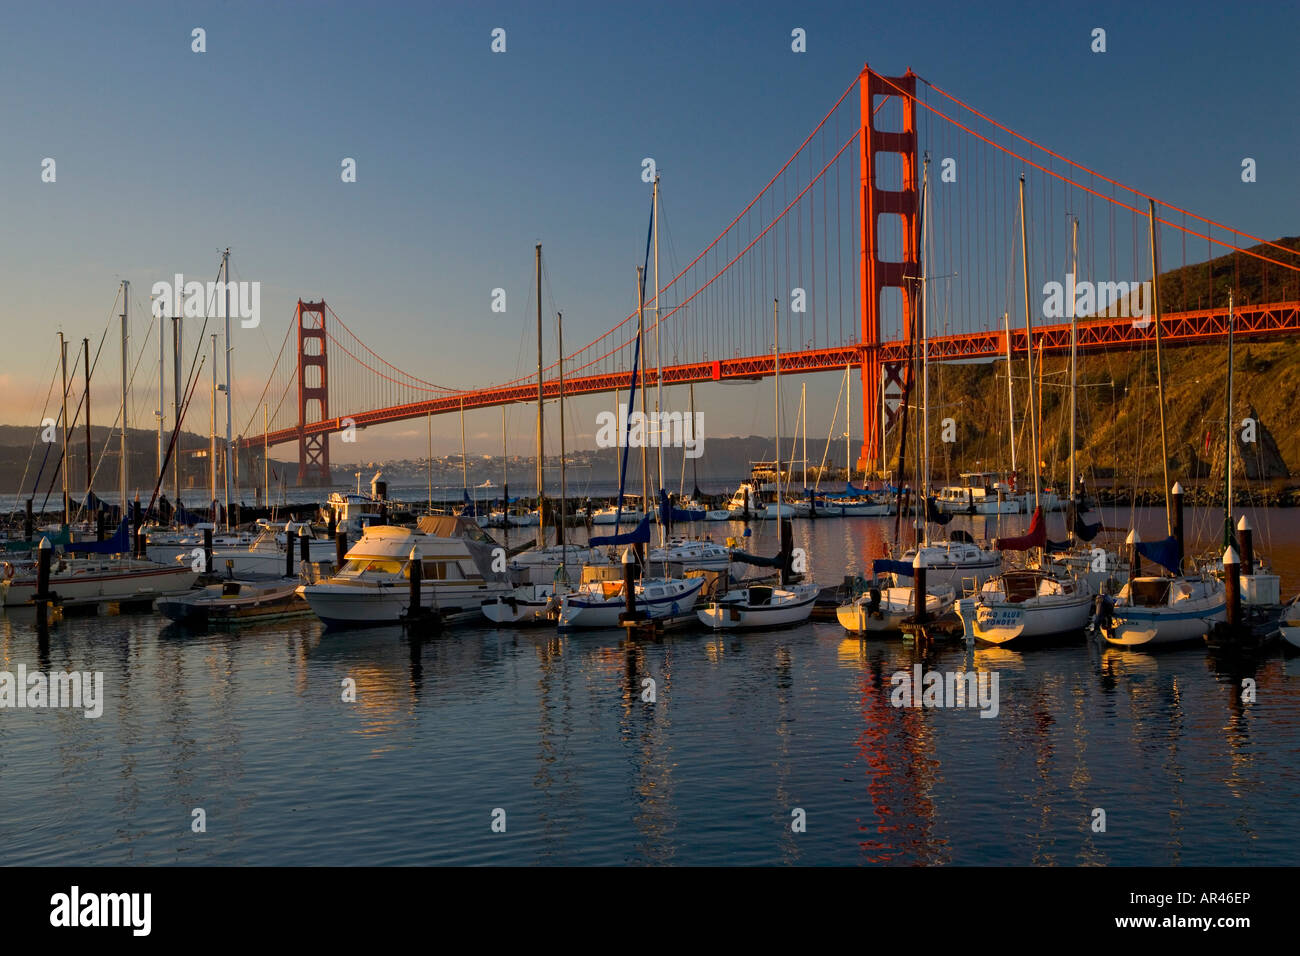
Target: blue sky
(466, 158)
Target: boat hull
(1036, 619)
(581, 612)
(1153, 627)
(383, 603)
(887, 616)
(740, 616)
(203, 610)
(105, 587)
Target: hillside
(1118, 417)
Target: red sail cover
(1036, 537)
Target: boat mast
(1011, 398)
(564, 486)
(659, 361)
(212, 433)
(1227, 445)
(803, 425)
(541, 468)
(266, 456)
(161, 413)
(176, 407)
(1074, 374)
(848, 426)
(63, 364)
(923, 451)
(464, 466)
(429, 465)
(85, 349)
(925, 344)
(1029, 340)
(126, 300)
(230, 444)
(776, 402)
(640, 341)
(1160, 375)
(695, 471)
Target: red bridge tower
(313, 387)
(878, 274)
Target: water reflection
(742, 730)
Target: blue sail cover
(1082, 531)
(677, 514)
(849, 492)
(185, 518)
(471, 507)
(886, 566)
(1163, 553)
(120, 543)
(639, 535)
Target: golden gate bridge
(835, 236)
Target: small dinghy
(232, 603)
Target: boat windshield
(358, 566)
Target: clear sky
(466, 158)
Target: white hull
(738, 611)
(95, 586)
(1291, 633)
(583, 609)
(1000, 622)
(1184, 612)
(896, 605)
(1147, 627)
(529, 604)
(604, 517)
(357, 605)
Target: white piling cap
(628, 557)
(1178, 488)
(1230, 556)
(45, 544)
(1133, 537)
(918, 561)
(1243, 524)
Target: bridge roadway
(1269, 320)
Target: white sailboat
(958, 562)
(1158, 610)
(760, 606)
(1036, 602)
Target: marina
(590, 773)
(571, 438)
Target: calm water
(553, 730)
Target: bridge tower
(879, 274)
(313, 394)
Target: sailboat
(762, 606)
(1038, 601)
(956, 562)
(600, 599)
(546, 570)
(1155, 610)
